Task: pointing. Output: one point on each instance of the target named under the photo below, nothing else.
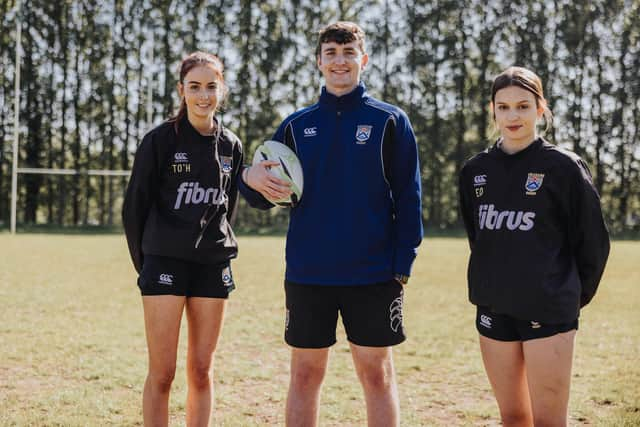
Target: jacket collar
(534, 146)
(188, 132)
(349, 100)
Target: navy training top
(359, 220)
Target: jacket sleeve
(405, 182)
(139, 198)
(588, 234)
(466, 209)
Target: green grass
(73, 353)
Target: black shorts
(371, 314)
(502, 327)
(171, 276)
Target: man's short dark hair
(341, 32)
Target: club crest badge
(363, 132)
(226, 163)
(227, 279)
(533, 184)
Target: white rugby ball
(289, 169)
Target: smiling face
(516, 113)
(341, 65)
(201, 90)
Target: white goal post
(16, 119)
(15, 170)
(48, 171)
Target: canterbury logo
(310, 131)
(492, 219)
(479, 180)
(180, 157)
(395, 313)
(485, 321)
(535, 325)
(165, 279)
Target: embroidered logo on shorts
(227, 279)
(165, 279)
(286, 320)
(363, 132)
(485, 321)
(533, 184)
(535, 325)
(395, 313)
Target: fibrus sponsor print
(492, 219)
(192, 193)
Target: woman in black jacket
(177, 212)
(539, 246)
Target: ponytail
(182, 111)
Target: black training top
(538, 240)
(176, 179)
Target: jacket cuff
(403, 261)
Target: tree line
(96, 76)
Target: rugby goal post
(16, 119)
(15, 170)
(49, 171)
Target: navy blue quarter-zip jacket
(539, 243)
(359, 219)
(175, 178)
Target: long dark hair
(192, 61)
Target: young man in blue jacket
(353, 236)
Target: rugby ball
(289, 169)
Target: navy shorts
(502, 327)
(171, 276)
(371, 314)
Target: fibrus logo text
(493, 219)
(192, 193)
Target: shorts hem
(501, 339)
(220, 296)
(309, 347)
(562, 331)
(159, 294)
(392, 344)
(209, 296)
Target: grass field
(73, 353)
